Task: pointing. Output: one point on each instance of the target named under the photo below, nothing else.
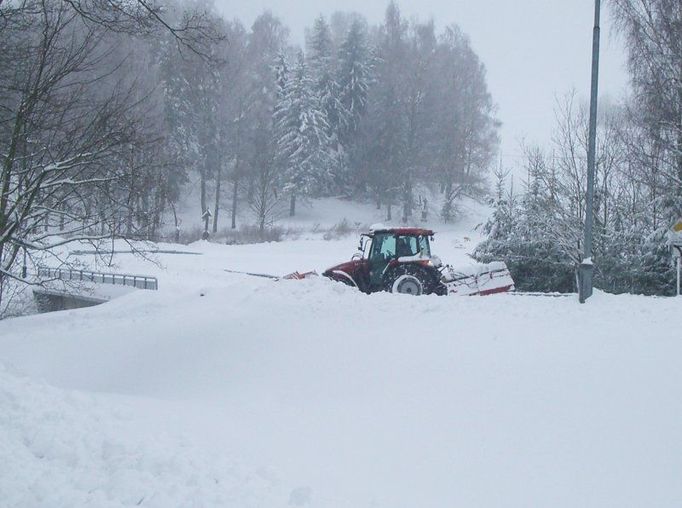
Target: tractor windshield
(387, 246)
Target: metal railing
(116, 279)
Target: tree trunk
(235, 194)
(144, 208)
(292, 205)
(177, 223)
(159, 208)
(202, 184)
(261, 224)
(216, 210)
(2, 282)
(129, 218)
(131, 194)
(62, 216)
(102, 217)
(408, 201)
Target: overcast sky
(534, 50)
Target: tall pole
(586, 269)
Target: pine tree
(323, 77)
(284, 123)
(354, 77)
(302, 131)
(522, 232)
(324, 85)
(267, 39)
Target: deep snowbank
(68, 449)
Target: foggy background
(534, 50)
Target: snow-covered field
(227, 390)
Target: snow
(69, 449)
(227, 390)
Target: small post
(679, 272)
(676, 246)
(207, 217)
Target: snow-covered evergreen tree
(355, 70)
(520, 233)
(321, 64)
(268, 38)
(302, 131)
(321, 60)
(194, 99)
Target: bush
(250, 234)
(343, 229)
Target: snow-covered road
(227, 390)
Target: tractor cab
(389, 247)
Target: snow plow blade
(300, 276)
(291, 276)
(481, 280)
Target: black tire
(411, 279)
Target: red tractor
(399, 260)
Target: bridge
(86, 293)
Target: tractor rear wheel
(410, 280)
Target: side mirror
(361, 250)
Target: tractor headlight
(436, 262)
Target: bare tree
(70, 120)
(653, 31)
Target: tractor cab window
(383, 247)
(407, 246)
(424, 247)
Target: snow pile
(66, 449)
(349, 400)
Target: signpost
(676, 244)
(206, 217)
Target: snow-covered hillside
(227, 390)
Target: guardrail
(116, 279)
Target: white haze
(534, 50)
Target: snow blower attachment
(399, 260)
(478, 280)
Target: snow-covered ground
(227, 390)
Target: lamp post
(586, 268)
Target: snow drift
(334, 398)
